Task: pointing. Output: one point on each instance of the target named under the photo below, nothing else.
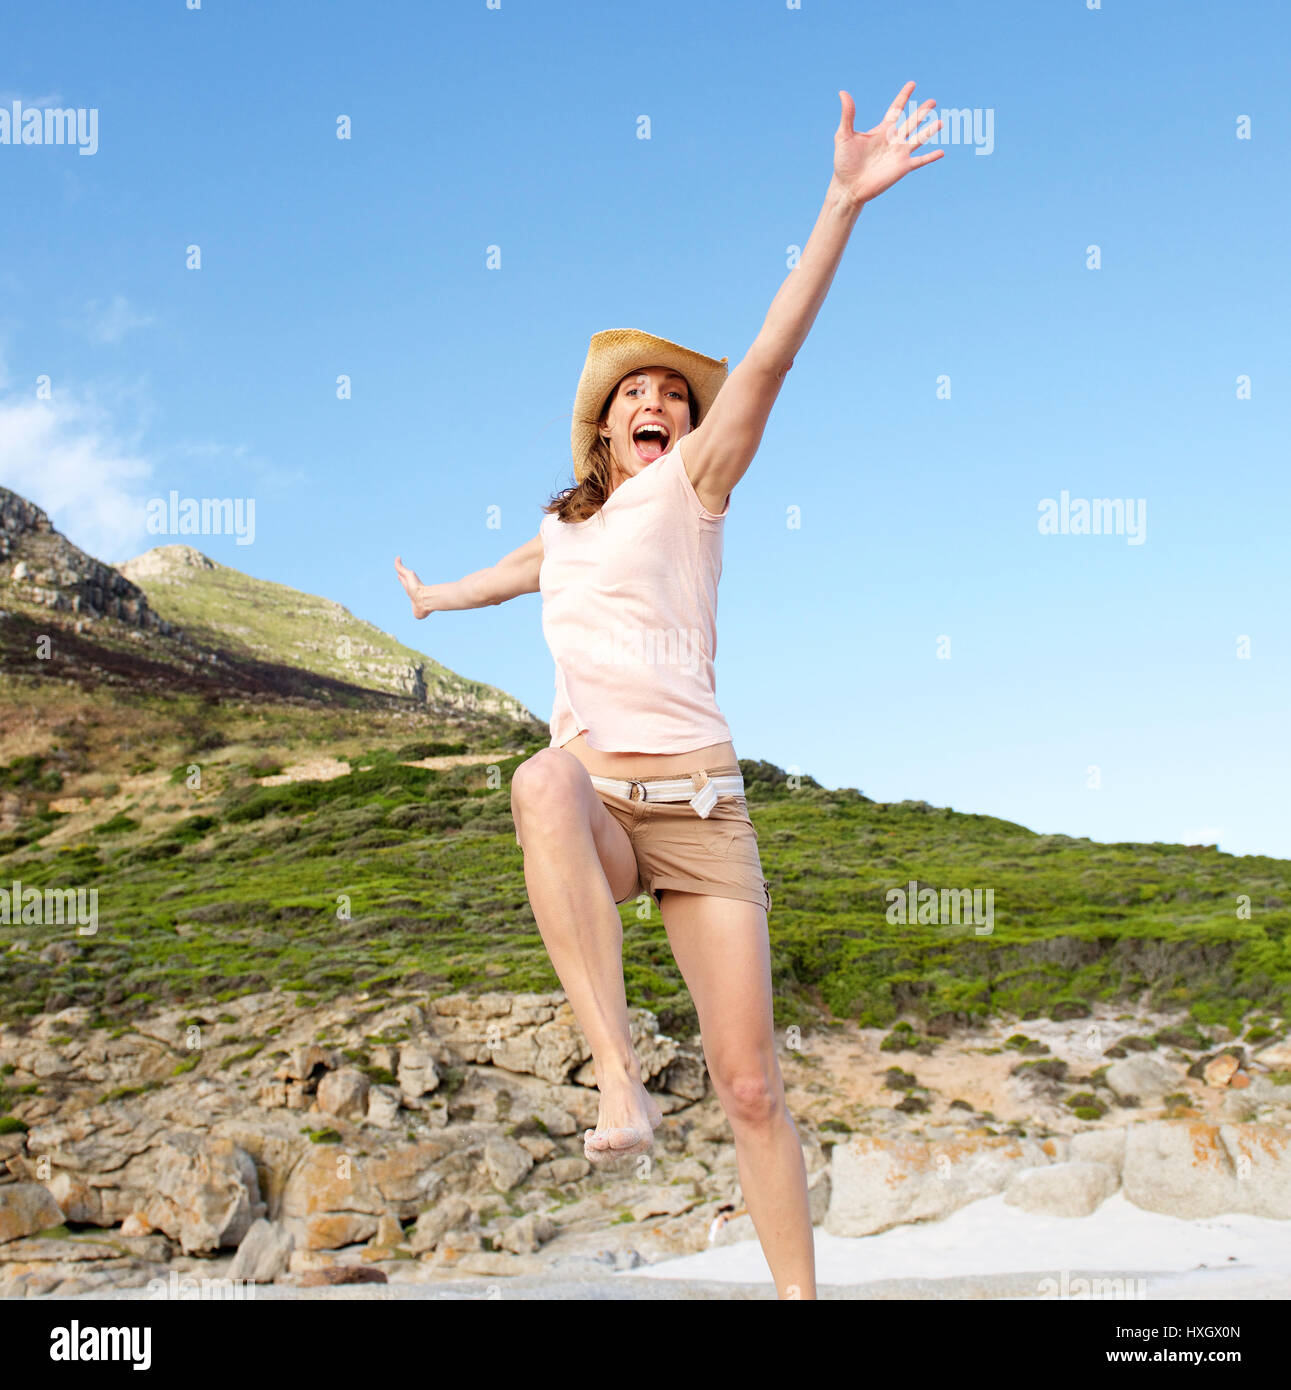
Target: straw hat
(610, 357)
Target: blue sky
(518, 128)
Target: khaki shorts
(676, 847)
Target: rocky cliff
(39, 565)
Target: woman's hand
(870, 161)
(415, 589)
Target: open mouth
(650, 441)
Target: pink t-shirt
(629, 610)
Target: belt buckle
(632, 784)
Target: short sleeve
(692, 496)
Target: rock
(306, 1063)
(877, 1183)
(564, 1170)
(136, 1224)
(663, 1201)
(1062, 1189)
(1261, 1159)
(818, 1184)
(1277, 1057)
(1105, 1146)
(731, 1228)
(1143, 1077)
(333, 1199)
(25, 1208)
(344, 1093)
(1220, 1071)
(686, 1075)
(339, 1274)
(505, 1162)
(1189, 1169)
(555, 1120)
(457, 1242)
(523, 1237)
(433, 1224)
(537, 1146)
(263, 1254)
(418, 1075)
(207, 1192)
(383, 1106)
(389, 1232)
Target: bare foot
(625, 1123)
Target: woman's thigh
(552, 798)
(722, 949)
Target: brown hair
(585, 499)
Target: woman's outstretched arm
(866, 163)
(514, 574)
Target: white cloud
(64, 456)
(109, 323)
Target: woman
(640, 790)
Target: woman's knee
(549, 782)
(750, 1095)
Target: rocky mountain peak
(39, 565)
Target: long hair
(585, 499)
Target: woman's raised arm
(513, 575)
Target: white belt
(699, 789)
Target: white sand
(989, 1238)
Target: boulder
(1189, 1169)
(505, 1162)
(432, 1225)
(555, 1120)
(263, 1254)
(25, 1208)
(383, 1106)
(307, 1062)
(207, 1193)
(1062, 1189)
(1099, 1146)
(344, 1093)
(1276, 1057)
(339, 1274)
(687, 1075)
(523, 1237)
(418, 1075)
(877, 1183)
(564, 1170)
(1219, 1071)
(1143, 1077)
(389, 1232)
(333, 1199)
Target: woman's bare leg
(722, 949)
(577, 861)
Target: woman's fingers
(911, 122)
(845, 126)
(926, 133)
(898, 102)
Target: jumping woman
(640, 790)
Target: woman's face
(649, 413)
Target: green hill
(256, 619)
